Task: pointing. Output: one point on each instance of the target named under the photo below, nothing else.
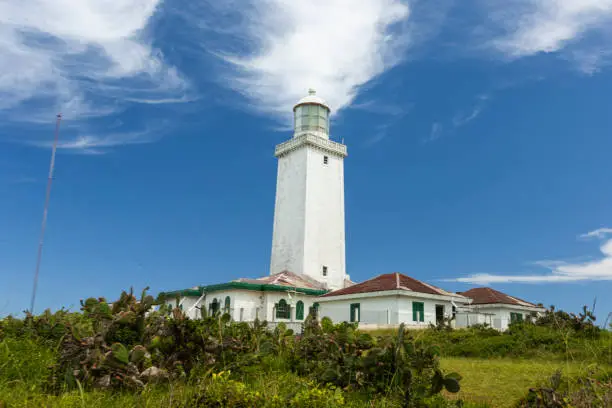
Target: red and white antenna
(44, 220)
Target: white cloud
(462, 118)
(74, 56)
(560, 271)
(578, 28)
(334, 46)
(598, 233)
(94, 144)
(435, 132)
(534, 26)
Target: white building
(307, 264)
(283, 297)
(496, 309)
(389, 300)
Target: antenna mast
(44, 220)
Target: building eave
(266, 287)
(181, 293)
(397, 292)
(508, 306)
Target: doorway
(439, 314)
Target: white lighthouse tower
(308, 234)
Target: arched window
(299, 310)
(282, 310)
(226, 309)
(314, 310)
(214, 306)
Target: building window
(325, 159)
(439, 314)
(282, 310)
(226, 309)
(355, 312)
(314, 310)
(418, 311)
(299, 310)
(516, 317)
(324, 270)
(214, 307)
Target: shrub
(26, 361)
(592, 390)
(220, 391)
(317, 397)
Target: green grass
(529, 359)
(501, 382)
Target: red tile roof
(484, 296)
(390, 281)
(286, 278)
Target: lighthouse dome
(311, 116)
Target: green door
(418, 311)
(299, 310)
(355, 312)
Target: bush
(592, 390)
(220, 391)
(25, 361)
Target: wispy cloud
(560, 271)
(84, 58)
(462, 119)
(334, 46)
(394, 114)
(100, 144)
(382, 108)
(598, 233)
(435, 132)
(529, 27)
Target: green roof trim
(261, 287)
(265, 287)
(184, 292)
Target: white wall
(186, 304)
(247, 305)
(290, 213)
(383, 310)
(308, 231)
(325, 223)
(496, 316)
(272, 298)
(247, 300)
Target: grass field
(327, 366)
(501, 382)
(495, 383)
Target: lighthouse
(308, 235)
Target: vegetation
(556, 335)
(501, 382)
(125, 354)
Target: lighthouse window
(325, 159)
(324, 270)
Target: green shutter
(299, 310)
(516, 317)
(227, 304)
(282, 310)
(418, 311)
(355, 312)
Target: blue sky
(478, 133)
